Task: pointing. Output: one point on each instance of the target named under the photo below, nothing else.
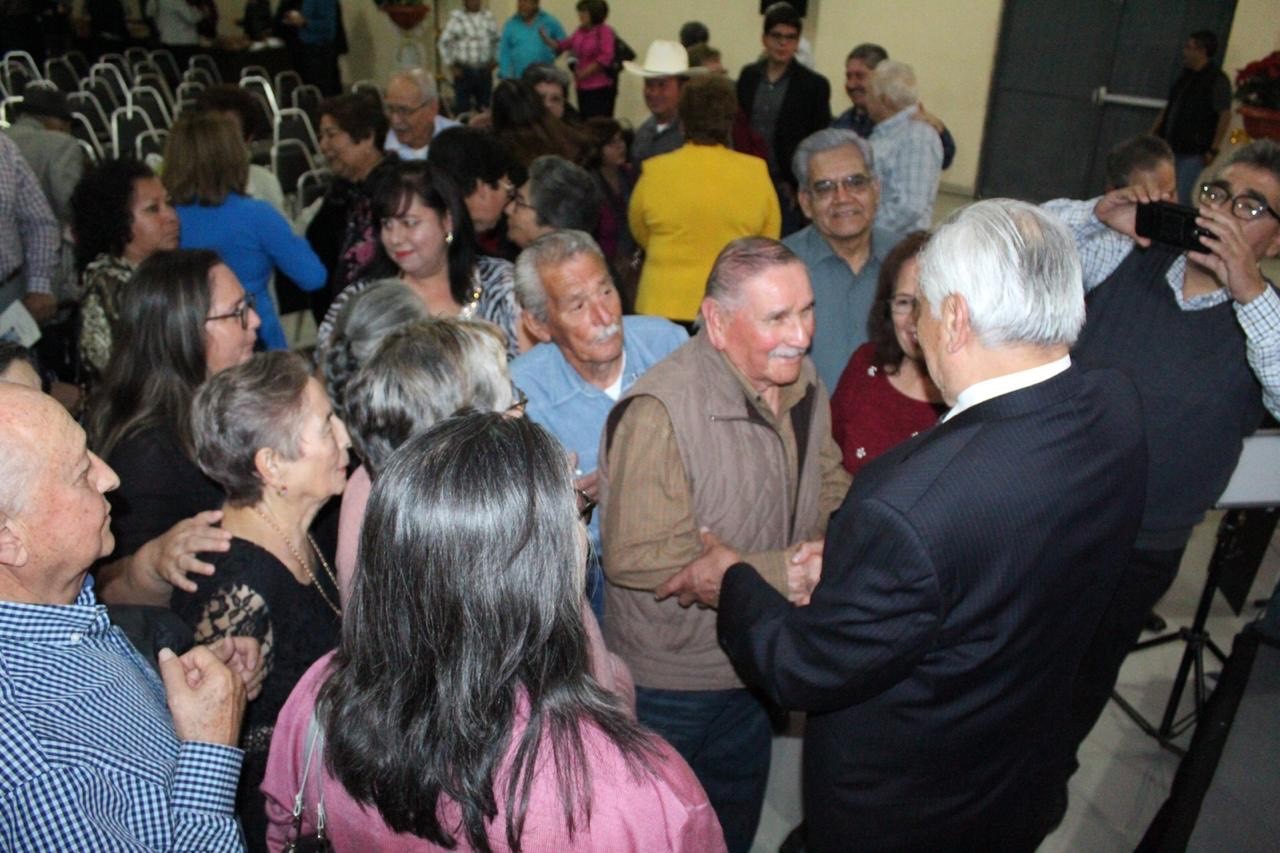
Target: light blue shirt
(522, 46)
(908, 157)
(841, 299)
(572, 408)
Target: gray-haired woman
(265, 431)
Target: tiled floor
(1124, 775)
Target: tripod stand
(1251, 498)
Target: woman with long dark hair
(183, 317)
(458, 710)
(426, 240)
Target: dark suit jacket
(962, 579)
(805, 109)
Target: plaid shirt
(28, 229)
(1102, 250)
(908, 162)
(469, 39)
(88, 755)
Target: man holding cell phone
(1199, 334)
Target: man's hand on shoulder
(205, 697)
(699, 582)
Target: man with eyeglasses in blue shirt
(1199, 333)
(842, 247)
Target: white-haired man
(92, 758)
(728, 438)
(964, 575)
(587, 354)
(908, 152)
(412, 105)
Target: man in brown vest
(720, 452)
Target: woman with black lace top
(265, 431)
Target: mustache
(607, 332)
(787, 352)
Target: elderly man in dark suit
(966, 571)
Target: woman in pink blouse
(458, 710)
(592, 45)
(885, 395)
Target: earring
(282, 490)
(448, 238)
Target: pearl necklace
(288, 543)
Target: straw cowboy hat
(663, 59)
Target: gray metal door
(1074, 78)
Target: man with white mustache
(588, 353)
(724, 448)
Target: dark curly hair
(101, 215)
(880, 331)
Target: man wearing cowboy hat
(665, 70)
(42, 133)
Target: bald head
(54, 518)
(23, 411)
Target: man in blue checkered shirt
(96, 753)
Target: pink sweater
(665, 809)
(592, 43)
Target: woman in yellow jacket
(688, 204)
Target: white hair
(829, 139)
(1016, 267)
(423, 80)
(896, 83)
(549, 250)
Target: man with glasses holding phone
(1199, 333)
(842, 247)
(784, 101)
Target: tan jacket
(691, 445)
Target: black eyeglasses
(520, 402)
(783, 37)
(852, 184)
(1242, 206)
(241, 313)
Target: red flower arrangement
(1258, 83)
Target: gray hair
(868, 54)
(421, 374)
(423, 80)
(1262, 154)
(543, 72)
(563, 195)
(243, 409)
(829, 139)
(367, 318)
(739, 262)
(896, 83)
(1016, 267)
(549, 250)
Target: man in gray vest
(1199, 334)
(723, 448)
